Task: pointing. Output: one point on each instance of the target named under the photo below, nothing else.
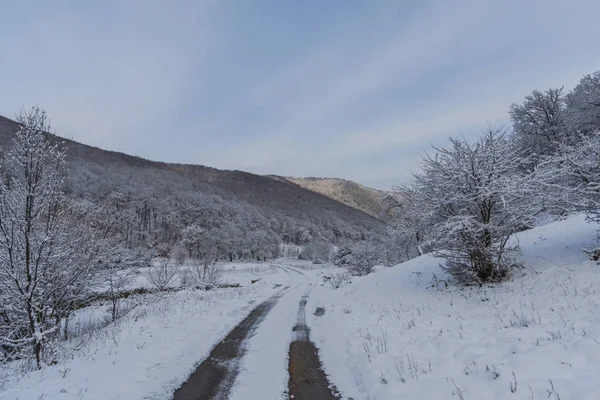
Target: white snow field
(152, 350)
(391, 335)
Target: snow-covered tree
(365, 256)
(46, 259)
(191, 239)
(303, 236)
(359, 257)
(571, 177)
(477, 199)
(410, 219)
(392, 250)
(583, 105)
(539, 122)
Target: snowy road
(307, 379)
(253, 360)
(153, 350)
(215, 376)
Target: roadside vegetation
(470, 198)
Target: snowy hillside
(395, 334)
(347, 192)
(162, 198)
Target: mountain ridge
(353, 194)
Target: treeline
(471, 197)
(147, 219)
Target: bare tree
(539, 123)
(410, 218)
(162, 272)
(46, 257)
(213, 275)
(583, 105)
(208, 272)
(118, 280)
(571, 177)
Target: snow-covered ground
(240, 272)
(264, 373)
(391, 335)
(152, 350)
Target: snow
(396, 333)
(240, 273)
(392, 335)
(264, 372)
(150, 351)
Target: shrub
(339, 279)
(360, 258)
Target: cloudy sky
(351, 89)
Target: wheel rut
(307, 381)
(215, 376)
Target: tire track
(307, 378)
(215, 376)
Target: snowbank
(394, 334)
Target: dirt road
(307, 379)
(216, 375)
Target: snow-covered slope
(391, 335)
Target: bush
(162, 272)
(593, 254)
(208, 275)
(469, 274)
(214, 276)
(339, 279)
(360, 258)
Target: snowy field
(234, 273)
(394, 335)
(397, 333)
(152, 349)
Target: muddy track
(214, 378)
(307, 379)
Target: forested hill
(151, 203)
(350, 193)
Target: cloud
(470, 63)
(106, 75)
(349, 89)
